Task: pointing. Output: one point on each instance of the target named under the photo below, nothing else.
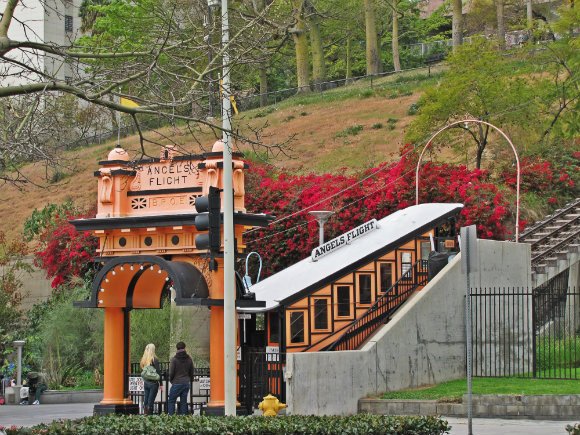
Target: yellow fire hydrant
(271, 405)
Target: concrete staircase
(555, 242)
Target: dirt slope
(354, 133)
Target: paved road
(494, 426)
(31, 415)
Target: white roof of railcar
(307, 273)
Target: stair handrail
(367, 324)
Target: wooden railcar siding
(317, 339)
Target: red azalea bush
(375, 193)
(65, 253)
(543, 177)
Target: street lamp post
(19, 344)
(228, 208)
(321, 216)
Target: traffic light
(209, 219)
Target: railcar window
(386, 270)
(297, 327)
(320, 314)
(364, 288)
(343, 300)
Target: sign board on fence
(204, 383)
(136, 384)
(272, 353)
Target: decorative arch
(476, 121)
(141, 281)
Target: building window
(296, 327)
(321, 314)
(364, 288)
(274, 320)
(386, 276)
(425, 249)
(68, 23)
(406, 265)
(343, 301)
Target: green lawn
(454, 390)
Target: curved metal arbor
(476, 121)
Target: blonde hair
(148, 355)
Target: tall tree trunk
(263, 85)
(301, 48)
(348, 74)
(372, 45)
(481, 144)
(259, 6)
(529, 14)
(395, 42)
(499, 10)
(457, 23)
(318, 66)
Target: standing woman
(150, 386)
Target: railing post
(533, 332)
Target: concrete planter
(546, 407)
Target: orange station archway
(146, 229)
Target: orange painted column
(114, 388)
(216, 339)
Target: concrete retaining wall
(548, 407)
(53, 397)
(424, 343)
(84, 396)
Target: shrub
(264, 112)
(367, 93)
(573, 430)
(164, 424)
(377, 126)
(350, 131)
(63, 252)
(413, 109)
(63, 341)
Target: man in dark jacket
(180, 376)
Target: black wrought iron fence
(522, 333)
(379, 312)
(198, 391)
(260, 373)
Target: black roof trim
(129, 172)
(167, 191)
(115, 162)
(220, 165)
(220, 154)
(258, 220)
(354, 266)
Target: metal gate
(260, 373)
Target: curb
(544, 407)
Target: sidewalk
(494, 426)
(30, 415)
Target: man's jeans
(181, 391)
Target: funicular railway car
(345, 291)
